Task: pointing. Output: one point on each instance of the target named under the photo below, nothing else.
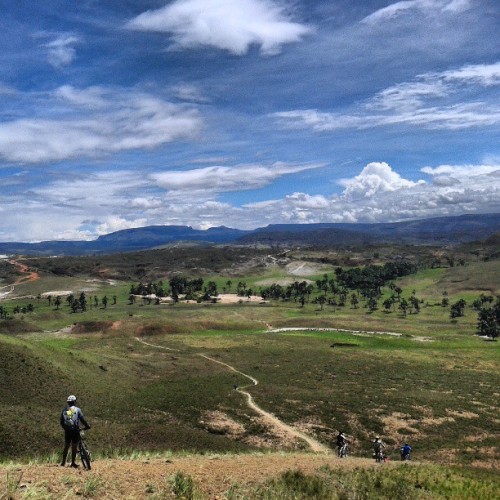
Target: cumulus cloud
(231, 26)
(61, 51)
(93, 122)
(114, 223)
(409, 7)
(88, 205)
(434, 101)
(374, 179)
(218, 179)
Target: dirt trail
(26, 277)
(273, 421)
(154, 345)
(213, 474)
(25, 270)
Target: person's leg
(67, 441)
(73, 453)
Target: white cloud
(95, 121)
(114, 223)
(189, 93)
(218, 179)
(233, 26)
(87, 205)
(483, 74)
(374, 179)
(61, 51)
(433, 100)
(409, 7)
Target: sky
(244, 113)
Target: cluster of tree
(296, 291)
(192, 289)
(372, 278)
(23, 309)
(243, 291)
(4, 314)
(149, 289)
(81, 303)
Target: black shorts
(71, 436)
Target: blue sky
(244, 113)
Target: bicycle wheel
(85, 456)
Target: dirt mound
(91, 326)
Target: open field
(421, 378)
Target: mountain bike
(344, 451)
(84, 452)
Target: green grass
(440, 395)
(400, 483)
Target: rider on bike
(378, 446)
(70, 420)
(405, 452)
(341, 441)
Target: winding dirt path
(273, 421)
(269, 417)
(154, 345)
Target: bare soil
(214, 474)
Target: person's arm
(82, 418)
(61, 420)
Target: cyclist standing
(70, 420)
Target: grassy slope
(439, 395)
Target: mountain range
(439, 231)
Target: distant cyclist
(405, 452)
(70, 420)
(342, 443)
(378, 448)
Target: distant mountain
(436, 231)
(126, 240)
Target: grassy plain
(436, 385)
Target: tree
(104, 302)
(321, 301)
(403, 306)
(83, 302)
(457, 309)
(354, 301)
(388, 303)
(414, 304)
(372, 304)
(488, 320)
(57, 302)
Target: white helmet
(71, 399)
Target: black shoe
(63, 464)
(75, 466)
